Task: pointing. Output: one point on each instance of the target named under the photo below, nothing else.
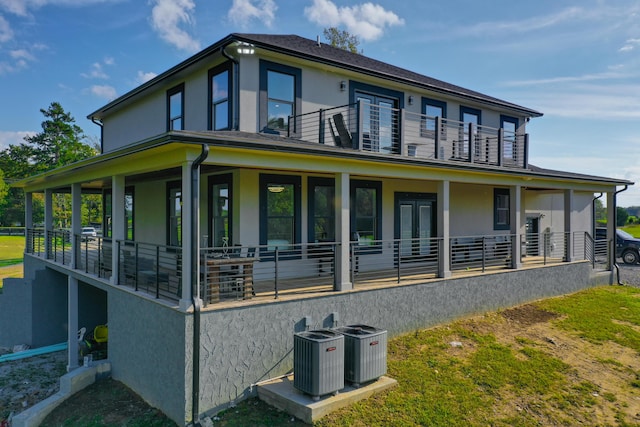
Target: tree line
(61, 142)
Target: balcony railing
(398, 132)
(277, 270)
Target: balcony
(398, 132)
(242, 274)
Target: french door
(379, 123)
(416, 224)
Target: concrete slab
(281, 394)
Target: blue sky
(577, 61)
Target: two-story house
(272, 183)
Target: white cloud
(166, 18)
(569, 79)
(242, 12)
(13, 137)
(367, 21)
(6, 33)
(104, 91)
(145, 77)
(630, 44)
(22, 7)
(96, 72)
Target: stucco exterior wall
(242, 346)
(147, 351)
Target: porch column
(187, 230)
(343, 235)
(76, 221)
(515, 206)
(48, 221)
(568, 225)
(444, 257)
(72, 320)
(118, 225)
(611, 227)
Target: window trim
(312, 183)
(265, 67)
(377, 186)
(470, 110)
(172, 185)
(516, 122)
(228, 67)
(173, 91)
(294, 180)
(497, 192)
(226, 178)
(424, 132)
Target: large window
(280, 94)
(432, 108)
(510, 126)
(220, 97)
(220, 213)
(174, 213)
(501, 211)
(279, 211)
(107, 225)
(366, 211)
(322, 214)
(175, 108)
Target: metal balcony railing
(379, 129)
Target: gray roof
(321, 52)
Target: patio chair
(341, 134)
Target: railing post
(321, 127)
(500, 146)
(275, 273)
(436, 139)
(86, 255)
(484, 251)
(525, 156)
(470, 142)
(288, 126)
(135, 266)
(359, 121)
(401, 143)
(157, 272)
(396, 245)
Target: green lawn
(11, 250)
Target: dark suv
(627, 246)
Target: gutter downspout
(195, 289)
(236, 87)
(615, 221)
(99, 123)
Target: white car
(89, 233)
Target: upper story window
(432, 108)
(280, 96)
(175, 108)
(510, 126)
(107, 202)
(220, 97)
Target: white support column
(76, 221)
(187, 230)
(343, 233)
(118, 225)
(72, 319)
(515, 209)
(444, 257)
(48, 221)
(568, 225)
(611, 227)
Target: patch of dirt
(25, 382)
(528, 315)
(106, 402)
